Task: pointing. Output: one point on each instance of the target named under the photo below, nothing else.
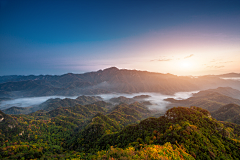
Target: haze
(156, 99)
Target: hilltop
(89, 131)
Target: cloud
(189, 56)
(165, 59)
(215, 67)
(219, 66)
(225, 62)
(162, 60)
(156, 99)
(27, 102)
(214, 60)
(231, 78)
(220, 61)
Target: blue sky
(57, 37)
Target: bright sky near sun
(178, 37)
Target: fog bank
(27, 102)
(156, 99)
(231, 78)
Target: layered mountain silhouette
(106, 81)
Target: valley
(100, 124)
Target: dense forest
(124, 131)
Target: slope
(230, 113)
(192, 128)
(205, 99)
(51, 104)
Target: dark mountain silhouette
(102, 81)
(106, 81)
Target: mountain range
(204, 126)
(106, 81)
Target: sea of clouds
(156, 99)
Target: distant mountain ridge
(16, 78)
(227, 91)
(230, 75)
(103, 81)
(106, 81)
(209, 99)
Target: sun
(186, 65)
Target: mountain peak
(111, 69)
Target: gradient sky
(178, 37)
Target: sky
(73, 36)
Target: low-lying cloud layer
(231, 78)
(27, 102)
(156, 99)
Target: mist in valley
(28, 102)
(156, 99)
(231, 78)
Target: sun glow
(185, 65)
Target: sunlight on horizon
(186, 65)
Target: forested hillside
(96, 131)
(210, 100)
(230, 113)
(51, 104)
(43, 134)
